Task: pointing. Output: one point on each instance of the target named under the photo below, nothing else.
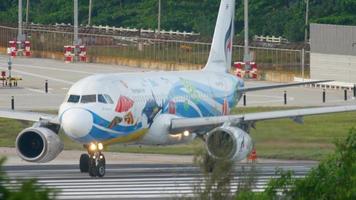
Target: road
(140, 181)
(30, 94)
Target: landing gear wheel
(97, 166)
(84, 163)
(100, 168)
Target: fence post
(324, 96)
(303, 62)
(244, 99)
(46, 86)
(345, 95)
(12, 103)
(285, 97)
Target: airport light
(247, 56)
(27, 11)
(306, 21)
(90, 9)
(159, 17)
(19, 35)
(75, 41)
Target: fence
(274, 64)
(270, 39)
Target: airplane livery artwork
(155, 108)
(137, 103)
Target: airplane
(155, 108)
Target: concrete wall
(333, 52)
(333, 67)
(333, 39)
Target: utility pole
(19, 35)
(89, 15)
(27, 11)
(247, 58)
(306, 21)
(159, 17)
(75, 41)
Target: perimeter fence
(274, 64)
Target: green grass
(273, 138)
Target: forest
(267, 17)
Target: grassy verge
(281, 139)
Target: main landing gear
(94, 162)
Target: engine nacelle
(229, 143)
(158, 133)
(38, 144)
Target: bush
(333, 179)
(28, 189)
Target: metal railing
(158, 50)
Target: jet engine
(229, 143)
(38, 144)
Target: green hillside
(267, 17)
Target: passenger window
(108, 99)
(101, 99)
(73, 98)
(88, 98)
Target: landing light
(100, 146)
(92, 147)
(186, 133)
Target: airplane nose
(77, 122)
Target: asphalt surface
(141, 181)
(30, 94)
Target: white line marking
(54, 69)
(40, 76)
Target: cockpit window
(101, 99)
(73, 98)
(108, 99)
(88, 98)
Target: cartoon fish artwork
(129, 119)
(151, 109)
(124, 104)
(117, 120)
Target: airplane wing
(192, 124)
(28, 116)
(249, 89)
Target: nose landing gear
(93, 163)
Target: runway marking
(37, 90)
(41, 76)
(53, 69)
(149, 182)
